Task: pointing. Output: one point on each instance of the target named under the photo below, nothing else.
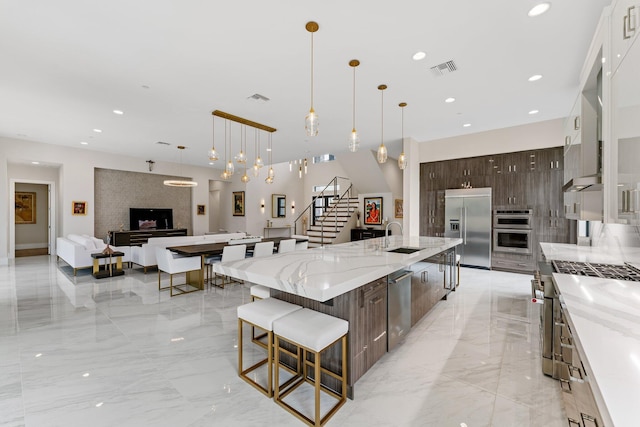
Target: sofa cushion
(81, 240)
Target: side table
(108, 270)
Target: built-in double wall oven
(512, 231)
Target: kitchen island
(603, 320)
(349, 281)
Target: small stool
(260, 292)
(312, 332)
(261, 314)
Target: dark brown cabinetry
(530, 179)
(138, 237)
(363, 234)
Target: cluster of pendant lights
(241, 158)
(312, 123)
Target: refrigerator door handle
(464, 239)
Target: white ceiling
(65, 65)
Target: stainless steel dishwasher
(398, 306)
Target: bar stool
(312, 332)
(458, 264)
(260, 292)
(261, 314)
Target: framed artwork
(238, 203)
(79, 208)
(25, 207)
(398, 208)
(201, 210)
(373, 210)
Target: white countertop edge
(324, 273)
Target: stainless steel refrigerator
(467, 215)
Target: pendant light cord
(354, 98)
(382, 117)
(312, 71)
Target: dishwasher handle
(401, 278)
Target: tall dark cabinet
(525, 179)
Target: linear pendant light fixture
(180, 182)
(402, 160)
(354, 139)
(382, 150)
(311, 120)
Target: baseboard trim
(32, 246)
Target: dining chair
(287, 245)
(172, 263)
(230, 253)
(302, 245)
(263, 249)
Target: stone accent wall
(117, 191)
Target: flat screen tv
(150, 219)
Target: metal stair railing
(307, 213)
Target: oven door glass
(514, 241)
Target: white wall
(518, 138)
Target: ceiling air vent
(258, 98)
(162, 143)
(444, 68)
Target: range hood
(584, 183)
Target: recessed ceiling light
(535, 77)
(449, 100)
(466, 125)
(97, 130)
(211, 163)
(268, 149)
(533, 112)
(419, 55)
(84, 143)
(539, 9)
(35, 163)
(118, 112)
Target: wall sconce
(150, 163)
(262, 206)
(293, 207)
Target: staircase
(332, 222)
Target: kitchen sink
(404, 250)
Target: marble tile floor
(75, 351)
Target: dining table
(196, 278)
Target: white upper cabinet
(625, 27)
(624, 191)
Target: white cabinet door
(625, 25)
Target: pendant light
(382, 150)
(241, 158)
(180, 182)
(402, 160)
(213, 154)
(311, 121)
(271, 174)
(256, 167)
(225, 174)
(230, 169)
(354, 139)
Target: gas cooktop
(607, 271)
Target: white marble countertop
(325, 273)
(599, 254)
(604, 316)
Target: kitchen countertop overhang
(327, 272)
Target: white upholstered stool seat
(262, 314)
(260, 292)
(312, 332)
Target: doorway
(32, 219)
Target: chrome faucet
(386, 232)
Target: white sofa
(145, 255)
(76, 250)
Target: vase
(358, 224)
